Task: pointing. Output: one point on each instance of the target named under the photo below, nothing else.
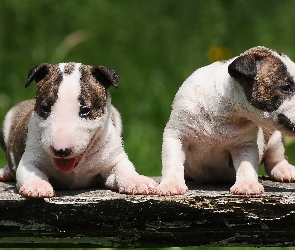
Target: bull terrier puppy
(226, 119)
(69, 137)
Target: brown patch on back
(18, 133)
(93, 94)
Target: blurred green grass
(154, 45)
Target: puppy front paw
(137, 184)
(171, 188)
(247, 188)
(37, 189)
(283, 172)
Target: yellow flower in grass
(217, 53)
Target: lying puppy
(226, 119)
(70, 136)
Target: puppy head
(72, 104)
(267, 77)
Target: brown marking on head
(105, 76)
(48, 78)
(95, 81)
(263, 76)
(69, 68)
(93, 95)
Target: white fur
(65, 110)
(211, 121)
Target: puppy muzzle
(63, 161)
(62, 152)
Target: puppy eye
(46, 109)
(287, 88)
(85, 111)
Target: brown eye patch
(47, 91)
(264, 78)
(93, 95)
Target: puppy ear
(37, 73)
(107, 77)
(243, 67)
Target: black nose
(62, 152)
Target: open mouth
(66, 165)
(286, 122)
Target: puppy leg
(173, 157)
(125, 179)
(276, 165)
(6, 174)
(245, 159)
(33, 183)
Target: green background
(154, 45)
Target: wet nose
(62, 152)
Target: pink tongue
(65, 165)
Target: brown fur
(47, 90)
(94, 94)
(18, 132)
(69, 68)
(271, 74)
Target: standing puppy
(226, 119)
(70, 136)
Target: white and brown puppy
(226, 119)
(70, 136)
